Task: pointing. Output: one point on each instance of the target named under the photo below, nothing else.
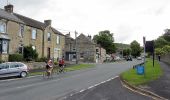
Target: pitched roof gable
(87, 38)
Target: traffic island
(132, 79)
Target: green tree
(160, 42)
(136, 49)
(126, 52)
(166, 35)
(106, 40)
(30, 53)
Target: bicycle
(47, 74)
(61, 69)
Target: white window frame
(4, 46)
(2, 26)
(34, 33)
(48, 36)
(58, 39)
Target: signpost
(144, 42)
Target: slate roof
(31, 22)
(9, 16)
(25, 20)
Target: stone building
(17, 31)
(86, 49)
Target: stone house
(86, 49)
(17, 31)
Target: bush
(30, 54)
(15, 57)
(43, 59)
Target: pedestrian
(159, 57)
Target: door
(48, 53)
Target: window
(4, 46)
(81, 55)
(21, 30)
(2, 27)
(4, 66)
(58, 39)
(20, 49)
(34, 33)
(49, 36)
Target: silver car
(13, 69)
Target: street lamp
(76, 47)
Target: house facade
(17, 31)
(84, 49)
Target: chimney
(9, 8)
(89, 36)
(47, 22)
(68, 34)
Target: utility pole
(144, 46)
(76, 47)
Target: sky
(128, 20)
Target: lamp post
(76, 47)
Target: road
(37, 88)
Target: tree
(106, 40)
(126, 52)
(160, 42)
(30, 53)
(136, 49)
(166, 35)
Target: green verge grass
(70, 68)
(151, 73)
(78, 67)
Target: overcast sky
(128, 19)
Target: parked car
(139, 58)
(13, 69)
(128, 58)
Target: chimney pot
(47, 22)
(9, 8)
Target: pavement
(162, 85)
(110, 90)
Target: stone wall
(166, 58)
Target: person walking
(159, 57)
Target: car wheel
(23, 74)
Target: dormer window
(2, 26)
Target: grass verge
(70, 68)
(151, 73)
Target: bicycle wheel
(45, 74)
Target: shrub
(43, 59)
(15, 57)
(29, 53)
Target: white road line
(82, 90)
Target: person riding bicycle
(61, 64)
(49, 67)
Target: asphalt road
(37, 88)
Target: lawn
(70, 68)
(151, 73)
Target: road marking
(94, 85)
(82, 90)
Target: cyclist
(49, 67)
(61, 65)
